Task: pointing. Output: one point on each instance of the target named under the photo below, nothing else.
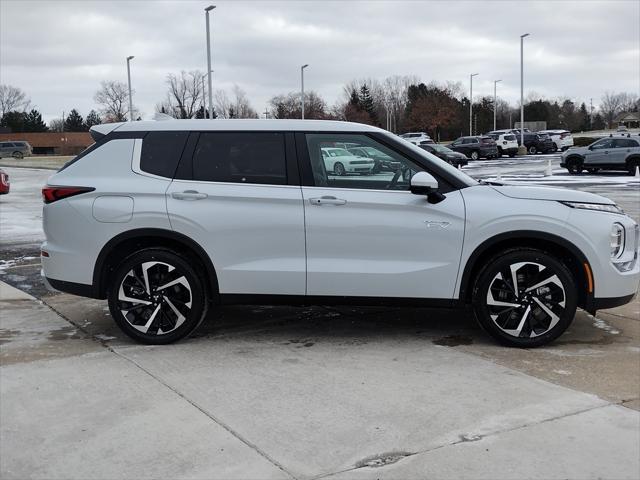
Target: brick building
(52, 143)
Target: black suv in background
(537, 142)
(475, 147)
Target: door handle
(189, 195)
(327, 200)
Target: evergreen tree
(583, 114)
(74, 122)
(14, 121)
(33, 122)
(93, 118)
(366, 103)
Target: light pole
(207, 10)
(129, 58)
(495, 102)
(302, 87)
(522, 147)
(471, 103)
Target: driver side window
(366, 164)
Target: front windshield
(431, 158)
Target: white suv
(562, 139)
(416, 137)
(167, 219)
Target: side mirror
(423, 183)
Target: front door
(368, 236)
(232, 196)
(598, 153)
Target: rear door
(369, 236)
(234, 195)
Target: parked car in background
(613, 153)
(15, 149)
(562, 139)
(415, 137)
(5, 186)
(446, 154)
(341, 162)
(621, 128)
(383, 162)
(538, 143)
(506, 142)
(475, 147)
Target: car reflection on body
(446, 154)
(383, 162)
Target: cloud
(58, 52)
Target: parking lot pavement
(283, 392)
(300, 393)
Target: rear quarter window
(161, 152)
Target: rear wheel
(533, 150)
(339, 169)
(525, 298)
(632, 165)
(475, 155)
(574, 165)
(157, 297)
(17, 155)
(500, 153)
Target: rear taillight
(52, 193)
(4, 179)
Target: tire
(511, 155)
(474, 155)
(339, 170)
(18, 155)
(528, 319)
(574, 165)
(500, 153)
(632, 164)
(532, 150)
(177, 310)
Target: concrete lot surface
(308, 392)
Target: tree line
(397, 103)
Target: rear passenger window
(161, 152)
(625, 143)
(249, 157)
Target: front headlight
(598, 207)
(616, 240)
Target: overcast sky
(59, 51)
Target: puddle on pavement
(6, 334)
(382, 459)
(65, 333)
(453, 340)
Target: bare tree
(236, 107)
(610, 106)
(185, 95)
(113, 97)
(288, 106)
(12, 98)
(56, 125)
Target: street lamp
(495, 104)
(302, 87)
(471, 102)
(207, 10)
(522, 147)
(129, 58)
(204, 93)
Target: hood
(549, 193)
(574, 150)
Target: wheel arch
(126, 243)
(560, 248)
(632, 158)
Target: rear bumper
(79, 289)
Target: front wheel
(475, 155)
(533, 150)
(17, 155)
(338, 168)
(525, 298)
(574, 166)
(157, 297)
